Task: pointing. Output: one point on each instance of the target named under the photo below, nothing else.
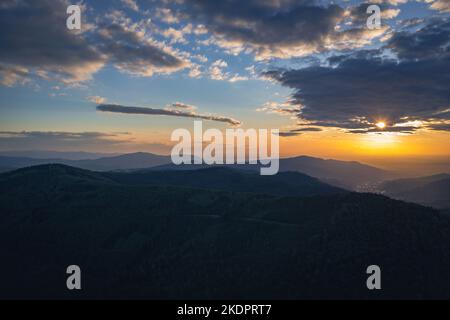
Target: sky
(138, 69)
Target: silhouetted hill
(349, 174)
(345, 174)
(227, 179)
(166, 242)
(123, 162)
(5, 169)
(129, 161)
(432, 191)
(52, 175)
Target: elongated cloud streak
(165, 112)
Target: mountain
(431, 191)
(129, 161)
(123, 162)
(349, 174)
(5, 169)
(346, 174)
(228, 179)
(156, 242)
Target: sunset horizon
(225, 150)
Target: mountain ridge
(431, 191)
(344, 174)
(141, 241)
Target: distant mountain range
(134, 239)
(345, 174)
(431, 191)
(348, 174)
(121, 162)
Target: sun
(381, 125)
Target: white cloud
(97, 99)
(131, 4)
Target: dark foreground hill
(227, 179)
(432, 191)
(136, 241)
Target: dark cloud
(358, 14)
(130, 51)
(361, 89)
(274, 28)
(308, 129)
(439, 126)
(166, 112)
(430, 42)
(299, 131)
(403, 129)
(34, 40)
(54, 140)
(33, 36)
(288, 134)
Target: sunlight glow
(381, 125)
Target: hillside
(166, 242)
(227, 179)
(122, 162)
(345, 174)
(431, 191)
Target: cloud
(358, 14)
(132, 52)
(284, 109)
(34, 42)
(183, 106)
(307, 129)
(430, 42)
(30, 41)
(57, 140)
(287, 134)
(177, 35)
(297, 132)
(166, 112)
(439, 126)
(131, 4)
(166, 15)
(195, 72)
(237, 78)
(216, 72)
(11, 75)
(391, 2)
(58, 134)
(400, 129)
(97, 99)
(273, 28)
(441, 5)
(358, 90)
